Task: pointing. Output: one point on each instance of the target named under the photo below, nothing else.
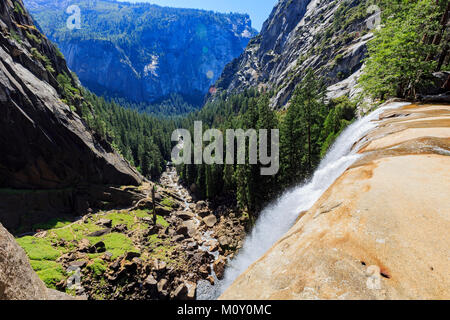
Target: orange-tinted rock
(381, 231)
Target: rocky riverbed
(123, 254)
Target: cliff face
(45, 144)
(328, 36)
(144, 52)
(380, 231)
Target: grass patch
(50, 272)
(160, 220)
(74, 232)
(40, 265)
(42, 252)
(33, 38)
(162, 250)
(131, 219)
(120, 218)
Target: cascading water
(277, 218)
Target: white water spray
(277, 218)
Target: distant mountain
(329, 36)
(144, 52)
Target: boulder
(120, 228)
(107, 256)
(178, 238)
(191, 226)
(203, 213)
(160, 265)
(200, 205)
(78, 264)
(214, 247)
(151, 284)
(84, 245)
(185, 215)
(99, 247)
(205, 270)
(192, 290)
(223, 241)
(129, 256)
(162, 286)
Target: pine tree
(292, 141)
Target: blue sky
(258, 10)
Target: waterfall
(278, 217)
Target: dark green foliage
(69, 90)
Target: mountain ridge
(49, 145)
